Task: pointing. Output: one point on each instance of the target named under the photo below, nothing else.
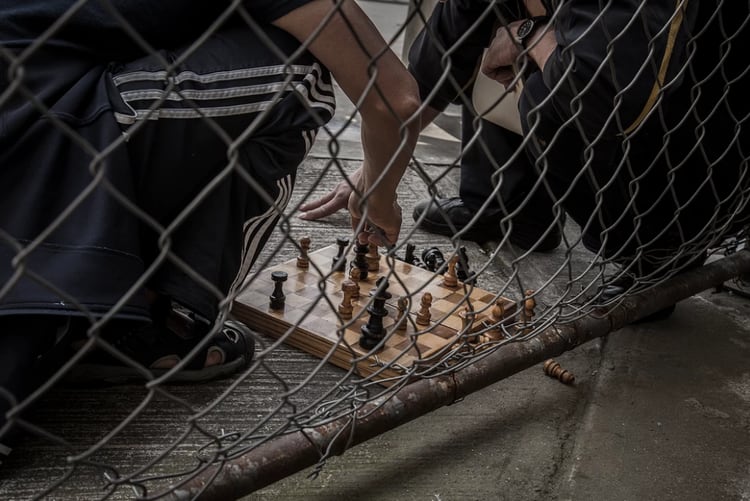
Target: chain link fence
(150, 235)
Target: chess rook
(278, 298)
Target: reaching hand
(331, 202)
(382, 225)
(382, 216)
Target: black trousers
(138, 177)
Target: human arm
(386, 95)
(338, 198)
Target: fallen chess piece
(554, 370)
(410, 257)
(433, 259)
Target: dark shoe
(157, 349)
(448, 216)
(623, 284)
(620, 286)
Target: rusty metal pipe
(289, 454)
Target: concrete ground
(658, 411)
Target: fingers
(328, 204)
(319, 209)
(307, 206)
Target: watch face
(525, 29)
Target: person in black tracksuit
(141, 175)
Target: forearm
(388, 146)
(386, 96)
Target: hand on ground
(331, 202)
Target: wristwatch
(529, 27)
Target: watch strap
(536, 23)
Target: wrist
(528, 30)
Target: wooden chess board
(310, 320)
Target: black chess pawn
(278, 297)
(339, 260)
(433, 258)
(373, 331)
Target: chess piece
(277, 296)
(373, 258)
(402, 305)
(424, 315)
(554, 370)
(467, 324)
(303, 261)
(450, 279)
(409, 256)
(528, 307)
(360, 260)
(497, 315)
(349, 288)
(373, 331)
(462, 268)
(433, 259)
(339, 260)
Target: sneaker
(448, 216)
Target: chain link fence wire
(153, 176)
